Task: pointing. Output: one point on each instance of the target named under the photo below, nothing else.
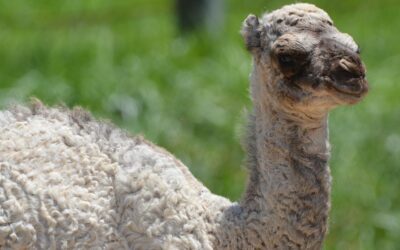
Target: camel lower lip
(348, 93)
(343, 89)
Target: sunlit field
(125, 61)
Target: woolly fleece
(68, 181)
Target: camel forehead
(299, 17)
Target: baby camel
(69, 181)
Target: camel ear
(252, 32)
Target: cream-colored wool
(68, 181)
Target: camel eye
(286, 61)
(291, 63)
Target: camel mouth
(355, 88)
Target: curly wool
(68, 181)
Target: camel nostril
(349, 66)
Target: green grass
(125, 61)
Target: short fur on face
(310, 63)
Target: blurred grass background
(125, 61)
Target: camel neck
(286, 202)
(289, 182)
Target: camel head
(302, 61)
